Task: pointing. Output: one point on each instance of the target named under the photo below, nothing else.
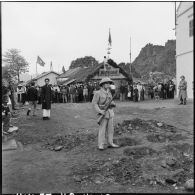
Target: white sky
(61, 32)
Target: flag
(63, 69)
(109, 39)
(51, 67)
(40, 61)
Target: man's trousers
(106, 131)
(46, 113)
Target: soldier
(182, 90)
(99, 102)
(46, 94)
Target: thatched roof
(69, 72)
(85, 74)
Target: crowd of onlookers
(138, 91)
(77, 93)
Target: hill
(156, 58)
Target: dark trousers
(183, 100)
(23, 98)
(12, 101)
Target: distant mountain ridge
(156, 58)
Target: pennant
(109, 39)
(63, 69)
(40, 61)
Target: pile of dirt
(68, 142)
(126, 141)
(139, 152)
(123, 171)
(145, 126)
(164, 137)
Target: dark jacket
(32, 94)
(46, 96)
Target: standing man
(32, 98)
(46, 94)
(182, 90)
(100, 100)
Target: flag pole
(36, 69)
(130, 60)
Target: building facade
(184, 45)
(40, 80)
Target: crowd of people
(83, 92)
(138, 92)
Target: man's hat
(182, 76)
(106, 80)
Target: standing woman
(46, 95)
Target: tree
(16, 63)
(87, 61)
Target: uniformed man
(101, 98)
(46, 95)
(182, 90)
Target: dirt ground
(60, 155)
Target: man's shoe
(28, 112)
(113, 146)
(101, 148)
(180, 103)
(44, 118)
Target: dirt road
(156, 141)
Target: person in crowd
(156, 93)
(101, 98)
(162, 90)
(159, 89)
(6, 113)
(142, 93)
(71, 91)
(139, 87)
(52, 93)
(32, 98)
(135, 94)
(56, 95)
(122, 92)
(13, 94)
(46, 95)
(80, 93)
(39, 94)
(21, 90)
(182, 91)
(129, 92)
(172, 90)
(169, 90)
(85, 93)
(76, 94)
(90, 90)
(165, 91)
(25, 88)
(64, 94)
(151, 92)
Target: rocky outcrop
(156, 58)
